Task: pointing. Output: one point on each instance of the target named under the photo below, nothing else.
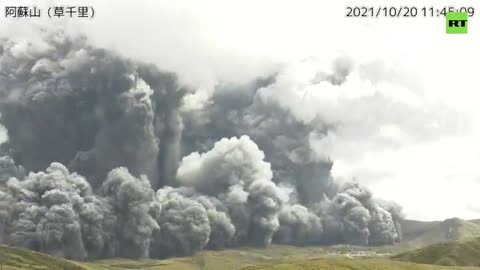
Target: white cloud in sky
(408, 117)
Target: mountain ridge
(417, 234)
(452, 253)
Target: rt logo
(457, 22)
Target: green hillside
(417, 234)
(17, 258)
(476, 221)
(351, 264)
(276, 257)
(459, 252)
(464, 251)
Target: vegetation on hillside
(418, 234)
(452, 255)
(339, 263)
(460, 252)
(16, 258)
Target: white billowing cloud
(406, 117)
(391, 133)
(3, 134)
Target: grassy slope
(469, 230)
(476, 221)
(217, 260)
(460, 252)
(417, 234)
(351, 264)
(276, 257)
(17, 258)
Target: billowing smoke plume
(298, 225)
(50, 211)
(146, 175)
(356, 217)
(233, 167)
(184, 224)
(131, 199)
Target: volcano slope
(272, 258)
(463, 252)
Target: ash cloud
(3, 133)
(104, 159)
